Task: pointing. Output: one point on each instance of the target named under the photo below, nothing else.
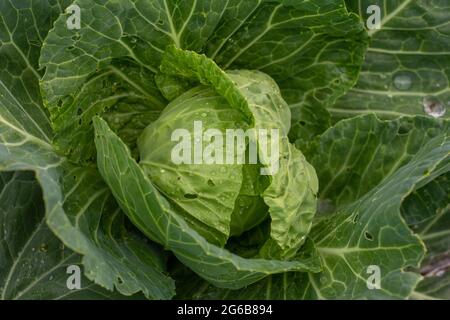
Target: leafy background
(377, 177)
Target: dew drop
(403, 81)
(433, 107)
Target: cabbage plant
(211, 149)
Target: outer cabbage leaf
(84, 216)
(20, 42)
(406, 65)
(129, 120)
(433, 288)
(33, 260)
(313, 50)
(285, 286)
(356, 154)
(427, 210)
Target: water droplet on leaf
(403, 81)
(433, 107)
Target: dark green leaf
(356, 154)
(33, 261)
(406, 66)
(427, 210)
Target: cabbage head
(226, 164)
